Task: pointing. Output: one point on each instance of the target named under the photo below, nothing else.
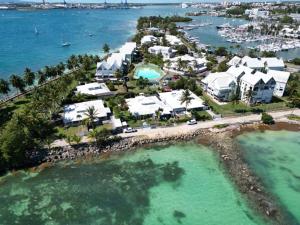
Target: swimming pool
(150, 72)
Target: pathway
(184, 128)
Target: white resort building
(257, 87)
(148, 39)
(281, 78)
(167, 52)
(173, 100)
(168, 103)
(147, 106)
(244, 76)
(173, 40)
(107, 68)
(197, 64)
(272, 63)
(219, 85)
(97, 89)
(75, 113)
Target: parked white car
(191, 122)
(130, 130)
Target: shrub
(220, 126)
(267, 118)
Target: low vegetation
(267, 118)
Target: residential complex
(254, 80)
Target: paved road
(184, 128)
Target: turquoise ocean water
(275, 157)
(179, 184)
(86, 30)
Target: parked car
(191, 122)
(130, 130)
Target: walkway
(185, 129)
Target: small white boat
(36, 31)
(65, 44)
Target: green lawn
(232, 109)
(294, 117)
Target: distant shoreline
(24, 6)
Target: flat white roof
(93, 89)
(128, 48)
(273, 62)
(76, 112)
(173, 39)
(173, 99)
(142, 105)
(260, 62)
(212, 76)
(253, 62)
(148, 38)
(234, 61)
(160, 48)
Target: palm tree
(28, 77)
(72, 62)
(249, 96)
(106, 48)
(41, 77)
(158, 113)
(91, 114)
(186, 98)
(118, 74)
(179, 64)
(17, 82)
(60, 68)
(4, 87)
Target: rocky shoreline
(221, 140)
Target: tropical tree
(91, 114)
(186, 98)
(41, 77)
(106, 48)
(179, 64)
(72, 62)
(17, 82)
(28, 77)
(60, 68)
(118, 74)
(4, 87)
(158, 114)
(249, 95)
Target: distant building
(97, 89)
(173, 40)
(257, 13)
(148, 39)
(75, 113)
